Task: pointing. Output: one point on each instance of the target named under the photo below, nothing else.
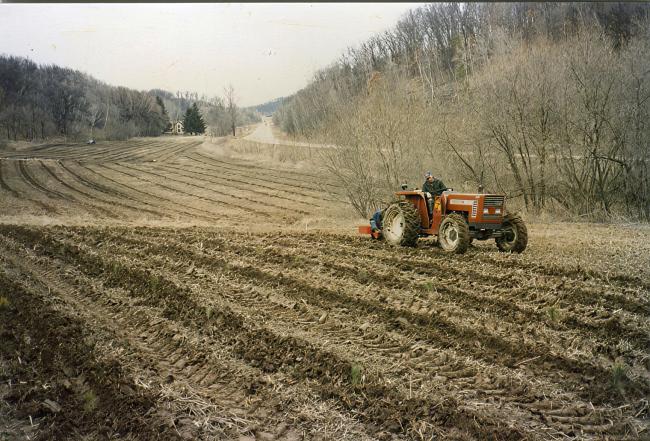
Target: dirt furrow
(111, 151)
(110, 192)
(224, 398)
(381, 405)
(256, 202)
(298, 188)
(25, 189)
(501, 303)
(82, 153)
(494, 344)
(142, 176)
(280, 184)
(344, 332)
(576, 273)
(141, 252)
(174, 154)
(84, 395)
(98, 152)
(506, 271)
(27, 177)
(235, 183)
(139, 153)
(91, 205)
(434, 327)
(285, 177)
(304, 176)
(168, 204)
(3, 182)
(513, 297)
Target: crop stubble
(218, 333)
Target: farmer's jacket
(435, 188)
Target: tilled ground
(177, 180)
(224, 334)
(129, 330)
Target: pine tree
(188, 121)
(200, 123)
(193, 121)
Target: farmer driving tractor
(432, 187)
(455, 218)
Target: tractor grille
(493, 201)
(474, 208)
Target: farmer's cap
(427, 174)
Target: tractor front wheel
(515, 235)
(453, 234)
(400, 224)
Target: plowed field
(150, 180)
(189, 298)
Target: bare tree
(94, 116)
(231, 107)
(377, 140)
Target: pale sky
(265, 50)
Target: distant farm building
(177, 128)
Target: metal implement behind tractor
(455, 218)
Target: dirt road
(264, 133)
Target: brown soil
(193, 298)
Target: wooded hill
(269, 107)
(41, 102)
(545, 102)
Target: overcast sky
(265, 50)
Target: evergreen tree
(193, 121)
(200, 123)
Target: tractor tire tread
(463, 232)
(411, 222)
(522, 235)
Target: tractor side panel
(465, 204)
(461, 203)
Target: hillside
(41, 102)
(543, 102)
(269, 107)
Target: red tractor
(456, 218)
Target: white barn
(178, 128)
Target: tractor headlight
(497, 211)
(486, 211)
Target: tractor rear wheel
(515, 235)
(400, 224)
(453, 234)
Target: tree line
(39, 102)
(44, 101)
(546, 102)
(219, 113)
